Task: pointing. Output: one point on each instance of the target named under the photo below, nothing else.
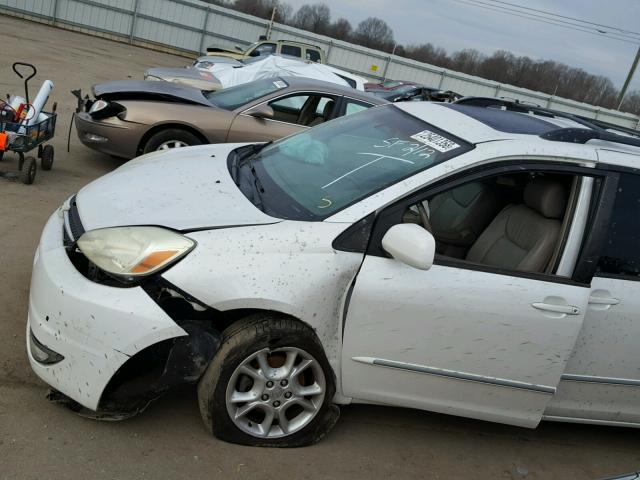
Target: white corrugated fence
(189, 26)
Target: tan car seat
(523, 237)
(458, 217)
(327, 111)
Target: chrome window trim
(290, 94)
(577, 229)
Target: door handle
(595, 300)
(549, 307)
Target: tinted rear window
(291, 50)
(620, 256)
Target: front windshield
(234, 97)
(313, 174)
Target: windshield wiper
(255, 149)
(240, 159)
(245, 176)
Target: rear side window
(291, 50)
(313, 55)
(354, 106)
(620, 256)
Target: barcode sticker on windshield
(440, 143)
(279, 84)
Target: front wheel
(170, 138)
(270, 384)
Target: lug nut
(287, 395)
(269, 384)
(265, 397)
(276, 404)
(284, 383)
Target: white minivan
(461, 258)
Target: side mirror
(411, 244)
(261, 111)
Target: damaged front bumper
(118, 349)
(112, 135)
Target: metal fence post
(204, 31)
(134, 15)
(444, 74)
(54, 15)
(498, 90)
(386, 67)
(329, 50)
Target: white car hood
(188, 188)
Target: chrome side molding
(469, 377)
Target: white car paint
(606, 349)
(97, 327)
(132, 196)
(293, 270)
(461, 337)
(357, 79)
(453, 360)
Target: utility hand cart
(20, 133)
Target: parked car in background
(387, 85)
(301, 50)
(225, 75)
(130, 117)
(415, 93)
(200, 74)
(405, 93)
(214, 63)
(455, 258)
(188, 76)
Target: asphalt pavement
(42, 440)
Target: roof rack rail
(582, 135)
(597, 128)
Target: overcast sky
(454, 26)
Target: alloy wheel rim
(275, 393)
(172, 144)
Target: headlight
(131, 252)
(103, 109)
(98, 105)
(204, 65)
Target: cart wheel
(47, 157)
(28, 172)
(20, 160)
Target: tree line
(548, 76)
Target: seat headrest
(328, 109)
(546, 196)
